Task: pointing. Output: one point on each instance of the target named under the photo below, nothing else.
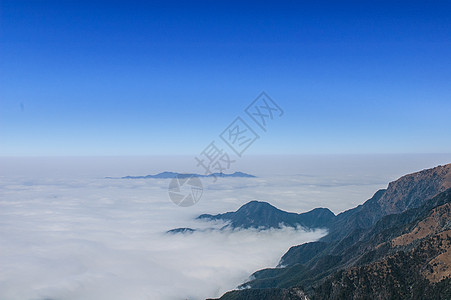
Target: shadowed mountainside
(256, 214)
(395, 245)
(262, 215)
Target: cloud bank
(105, 239)
(67, 233)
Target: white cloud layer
(105, 239)
(67, 233)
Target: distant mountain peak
(257, 205)
(169, 175)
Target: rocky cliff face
(407, 192)
(412, 190)
(415, 264)
(397, 245)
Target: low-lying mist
(66, 232)
(105, 239)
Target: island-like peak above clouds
(169, 175)
(257, 214)
(262, 215)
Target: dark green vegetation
(397, 245)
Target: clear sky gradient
(167, 77)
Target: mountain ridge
(362, 238)
(262, 215)
(169, 175)
(409, 191)
(258, 214)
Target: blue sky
(166, 77)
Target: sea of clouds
(67, 232)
